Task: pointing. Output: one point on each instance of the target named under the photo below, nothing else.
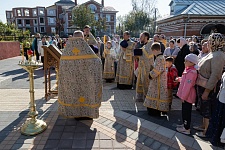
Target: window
(35, 29)
(34, 12)
(51, 20)
(18, 13)
(53, 29)
(107, 18)
(42, 20)
(108, 29)
(51, 12)
(35, 21)
(19, 21)
(96, 17)
(27, 22)
(93, 8)
(41, 11)
(27, 13)
(172, 8)
(8, 15)
(42, 29)
(112, 17)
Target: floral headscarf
(217, 42)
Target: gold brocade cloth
(80, 81)
(125, 65)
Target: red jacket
(171, 76)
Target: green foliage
(9, 32)
(137, 21)
(100, 25)
(82, 16)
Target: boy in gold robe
(157, 99)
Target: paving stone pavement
(123, 123)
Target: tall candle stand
(33, 126)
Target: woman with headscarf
(184, 50)
(210, 73)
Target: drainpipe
(185, 26)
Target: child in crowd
(171, 76)
(157, 100)
(109, 55)
(186, 91)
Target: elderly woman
(210, 72)
(172, 50)
(184, 50)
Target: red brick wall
(9, 49)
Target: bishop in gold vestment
(80, 81)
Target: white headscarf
(182, 42)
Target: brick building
(193, 17)
(58, 17)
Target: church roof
(108, 8)
(65, 2)
(202, 7)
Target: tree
(59, 26)
(147, 6)
(100, 26)
(9, 32)
(136, 22)
(82, 16)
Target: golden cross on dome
(76, 51)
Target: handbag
(201, 81)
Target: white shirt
(40, 49)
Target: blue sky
(162, 5)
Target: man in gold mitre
(80, 80)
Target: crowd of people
(190, 68)
(158, 69)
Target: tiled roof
(202, 7)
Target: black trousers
(115, 67)
(186, 114)
(37, 55)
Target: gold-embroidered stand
(51, 59)
(32, 126)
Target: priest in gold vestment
(145, 64)
(124, 75)
(80, 80)
(90, 39)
